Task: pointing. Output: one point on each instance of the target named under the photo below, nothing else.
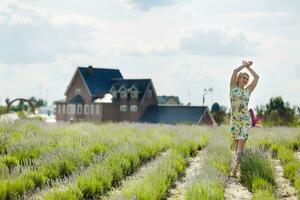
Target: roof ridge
(95, 68)
(133, 79)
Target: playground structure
(21, 100)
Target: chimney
(90, 70)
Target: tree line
(276, 112)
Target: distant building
(168, 100)
(46, 110)
(131, 100)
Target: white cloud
(30, 37)
(191, 50)
(217, 43)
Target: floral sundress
(240, 117)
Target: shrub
(261, 184)
(290, 169)
(263, 195)
(254, 164)
(69, 194)
(274, 150)
(37, 178)
(285, 155)
(294, 145)
(203, 191)
(10, 162)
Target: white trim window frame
(133, 108)
(86, 109)
(123, 108)
(77, 91)
(114, 94)
(79, 109)
(73, 108)
(123, 94)
(68, 109)
(133, 94)
(113, 91)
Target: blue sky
(184, 46)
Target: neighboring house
(178, 115)
(168, 100)
(132, 100)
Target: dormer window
(77, 91)
(134, 94)
(114, 94)
(124, 94)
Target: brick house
(132, 100)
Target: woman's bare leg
(241, 145)
(236, 145)
(238, 154)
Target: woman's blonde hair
(240, 75)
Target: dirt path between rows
(195, 165)
(234, 189)
(284, 189)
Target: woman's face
(243, 80)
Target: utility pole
(206, 91)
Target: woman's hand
(247, 63)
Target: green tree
(277, 113)
(219, 113)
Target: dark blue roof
(77, 99)
(140, 84)
(99, 80)
(173, 114)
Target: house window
(149, 93)
(123, 108)
(134, 94)
(86, 109)
(77, 91)
(92, 109)
(58, 109)
(73, 107)
(68, 109)
(97, 109)
(63, 109)
(133, 108)
(114, 94)
(123, 94)
(79, 109)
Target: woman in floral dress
(240, 92)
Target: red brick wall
(78, 83)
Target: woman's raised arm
(253, 84)
(236, 71)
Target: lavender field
(142, 161)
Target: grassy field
(138, 161)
